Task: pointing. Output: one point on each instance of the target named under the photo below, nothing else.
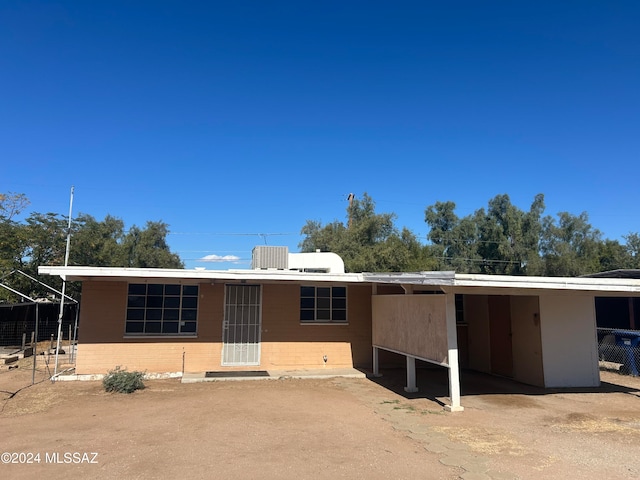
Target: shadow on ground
(433, 384)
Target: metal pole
(35, 349)
(75, 335)
(64, 285)
(44, 285)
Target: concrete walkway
(194, 377)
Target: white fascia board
(444, 279)
(85, 273)
(549, 283)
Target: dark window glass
(154, 302)
(191, 290)
(135, 327)
(339, 292)
(154, 314)
(307, 291)
(137, 289)
(152, 327)
(135, 314)
(307, 315)
(170, 327)
(136, 301)
(339, 302)
(323, 292)
(307, 303)
(189, 302)
(324, 303)
(171, 302)
(189, 327)
(158, 308)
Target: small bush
(122, 381)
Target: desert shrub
(122, 381)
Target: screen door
(241, 326)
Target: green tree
(148, 248)
(98, 243)
(633, 249)
(570, 245)
(613, 256)
(499, 240)
(509, 237)
(368, 242)
(454, 241)
(41, 240)
(13, 240)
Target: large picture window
(162, 309)
(323, 304)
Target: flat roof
(446, 279)
(86, 273)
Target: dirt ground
(312, 429)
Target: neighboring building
(299, 313)
(621, 312)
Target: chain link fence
(18, 323)
(619, 350)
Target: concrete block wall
(286, 344)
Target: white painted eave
(444, 279)
(117, 273)
(548, 283)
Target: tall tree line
(498, 239)
(40, 239)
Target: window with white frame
(323, 304)
(161, 309)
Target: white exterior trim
(549, 283)
(447, 280)
(84, 273)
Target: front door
(500, 335)
(241, 326)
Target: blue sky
(227, 120)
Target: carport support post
(452, 355)
(376, 363)
(411, 375)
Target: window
(459, 308)
(323, 304)
(158, 309)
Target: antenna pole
(64, 285)
(350, 198)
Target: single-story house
(294, 313)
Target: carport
(419, 324)
(539, 331)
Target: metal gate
(241, 326)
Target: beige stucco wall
(526, 340)
(286, 344)
(476, 315)
(569, 343)
(411, 324)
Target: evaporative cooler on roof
(265, 256)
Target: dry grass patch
(481, 440)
